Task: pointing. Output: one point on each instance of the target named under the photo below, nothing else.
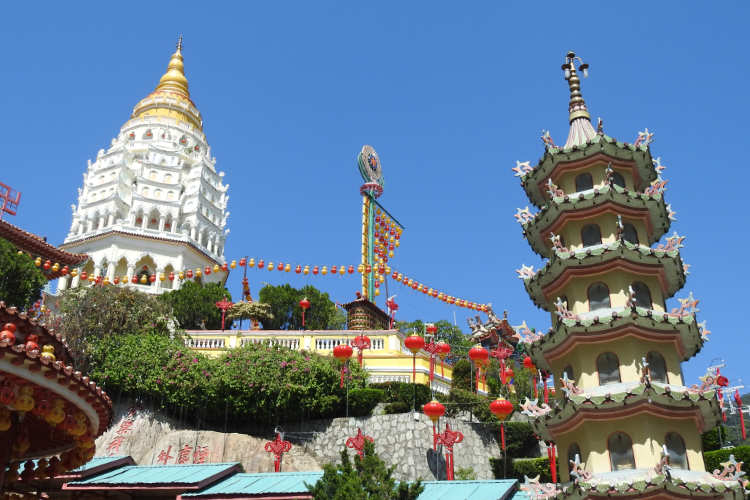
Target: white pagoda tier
(153, 202)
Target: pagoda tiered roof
(604, 324)
(612, 198)
(664, 263)
(599, 149)
(616, 401)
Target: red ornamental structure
(10, 200)
(278, 447)
(342, 352)
(358, 442)
(738, 401)
(223, 304)
(305, 305)
(434, 410)
(501, 408)
(414, 343)
(448, 438)
(392, 308)
(502, 353)
(433, 348)
(480, 357)
(552, 455)
(361, 342)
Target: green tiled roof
(149, 475)
(256, 484)
(498, 489)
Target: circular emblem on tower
(369, 166)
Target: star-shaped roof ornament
(526, 272)
(522, 168)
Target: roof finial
(580, 120)
(174, 79)
(179, 43)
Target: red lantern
(280, 267)
(7, 336)
(334, 270)
(64, 270)
(152, 278)
(207, 270)
(444, 348)
(368, 269)
(298, 269)
(224, 267)
(350, 270)
(116, 281)
(722, 381)
(243, 261)
(171, 276)
(480, 356)
(431, 328)
(501, 408)
(342, 352)
(434, 410)
(261, 264)
(47, 265)
(305, 305)
(189, 273)
(414, 343)
(84, 275)
(315, 270)
(134, 279)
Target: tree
(194, 305)
(337, 321)
(88, 315)
(462, 375)
(21, 282)
(287, 314)
(369, 479)
(446, 331)
(254, 311)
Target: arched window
(584, 182)
(629, 233)
(642, 295)
(573, 450)
(591, 235)
(608, 367)
(657, 367)
(618, 179)
(598, 295)
(676, 450)
(568, 370)
(620, 448)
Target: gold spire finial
(174, 79)
(577, 106)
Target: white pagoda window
(620, 448)
(676, 450)
(608, 367)
(657, 367)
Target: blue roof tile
(145, 475)
(97, 462)
(255, 484)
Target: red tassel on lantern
(738, 400)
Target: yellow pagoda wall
(571, 231)
(647, 432)
(629, 351)
(617, 281)
(567, 181)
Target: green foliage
(713, 459)
(402, 392)
(287, 314)
(362, 401)
(446, 331)
(255, 311)
(21, 282)
(194, 305)
(465, 474)
(520, 467)
(368, 479)
(397, 407)
(90, 315)
(337, 321)
(462, 375)
(711, 439)
(256, 383)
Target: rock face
(403, 440)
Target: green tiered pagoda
(624, 422)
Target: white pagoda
(153, 203)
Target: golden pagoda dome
(171, 98)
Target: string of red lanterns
(380, 270)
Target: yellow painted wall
(567, 183)
(648, 435)
(629, 351)
(571, 231)
(618, 282)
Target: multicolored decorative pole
(278, 447)
(448, 438)
(480, 357)
(305, 305)
(361, 342)
(224, 304)
(358, 442)
(342, 352)
(434, 410)
(501, 408)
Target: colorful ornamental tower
(153, 203)
(624, 422)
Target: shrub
(397, 407)
(711, 439)
(362, 401)
(713, 459)
(404, 392)
(20, 281)
(520, 467)
(466, 474)
(462, 375)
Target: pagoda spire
(174, 79)
(581, 129)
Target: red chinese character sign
(448, 438)
(278, 447)
(358, 442)
(10, 199)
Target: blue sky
(450, 95)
